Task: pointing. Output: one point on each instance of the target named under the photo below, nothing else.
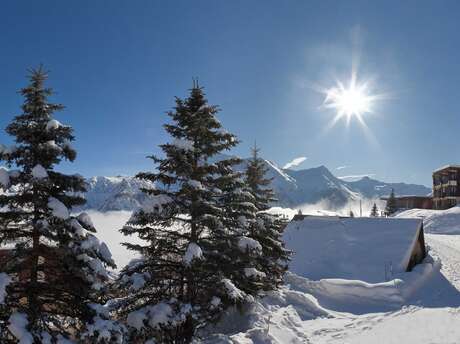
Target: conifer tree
(391, 207)
(268, 228)
(374, 211)
(196, 228)
(55, 267)
(351, 214)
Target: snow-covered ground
(436, 221)
(422, 306)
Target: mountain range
(293, 188)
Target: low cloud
(356, 176)
(295, 162)
(342, 167)
(325, 208)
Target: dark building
(412, 202)
(446, 191)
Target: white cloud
(295, 162)
(342, 167)
(357, 176)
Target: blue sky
(117, 65)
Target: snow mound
(365, 249)
(272, 319)
(306, 311)
(436, 221)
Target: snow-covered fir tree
(374, 211)
(198, 251)
(53, 268)
(268, 228)
(391, 207)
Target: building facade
(412, 202)
(446, 191)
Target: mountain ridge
(293, 188)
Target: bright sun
(352, 100)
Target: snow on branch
(53, 124)
(232, 291)
(193, 252)
(4, 177)
(156, 203)
(53, 145)
(5, 280)
(245, 244)
(39, 172)
(253, 272)
(182, 144)
(155, 316)
(86, 220)
(101, 328)
(58, 208)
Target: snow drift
(436, 221)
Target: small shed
(367, 249)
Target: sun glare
(352, 100)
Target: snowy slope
(436, 221)
(316, 184)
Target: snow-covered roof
(445, 167)
(351, 248)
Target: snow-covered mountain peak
(115, 193)
(293, 188)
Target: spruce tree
(268, 228)
(196, 229)
(374, 211)
(391, 207)
(351, 214)
(55, 265)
